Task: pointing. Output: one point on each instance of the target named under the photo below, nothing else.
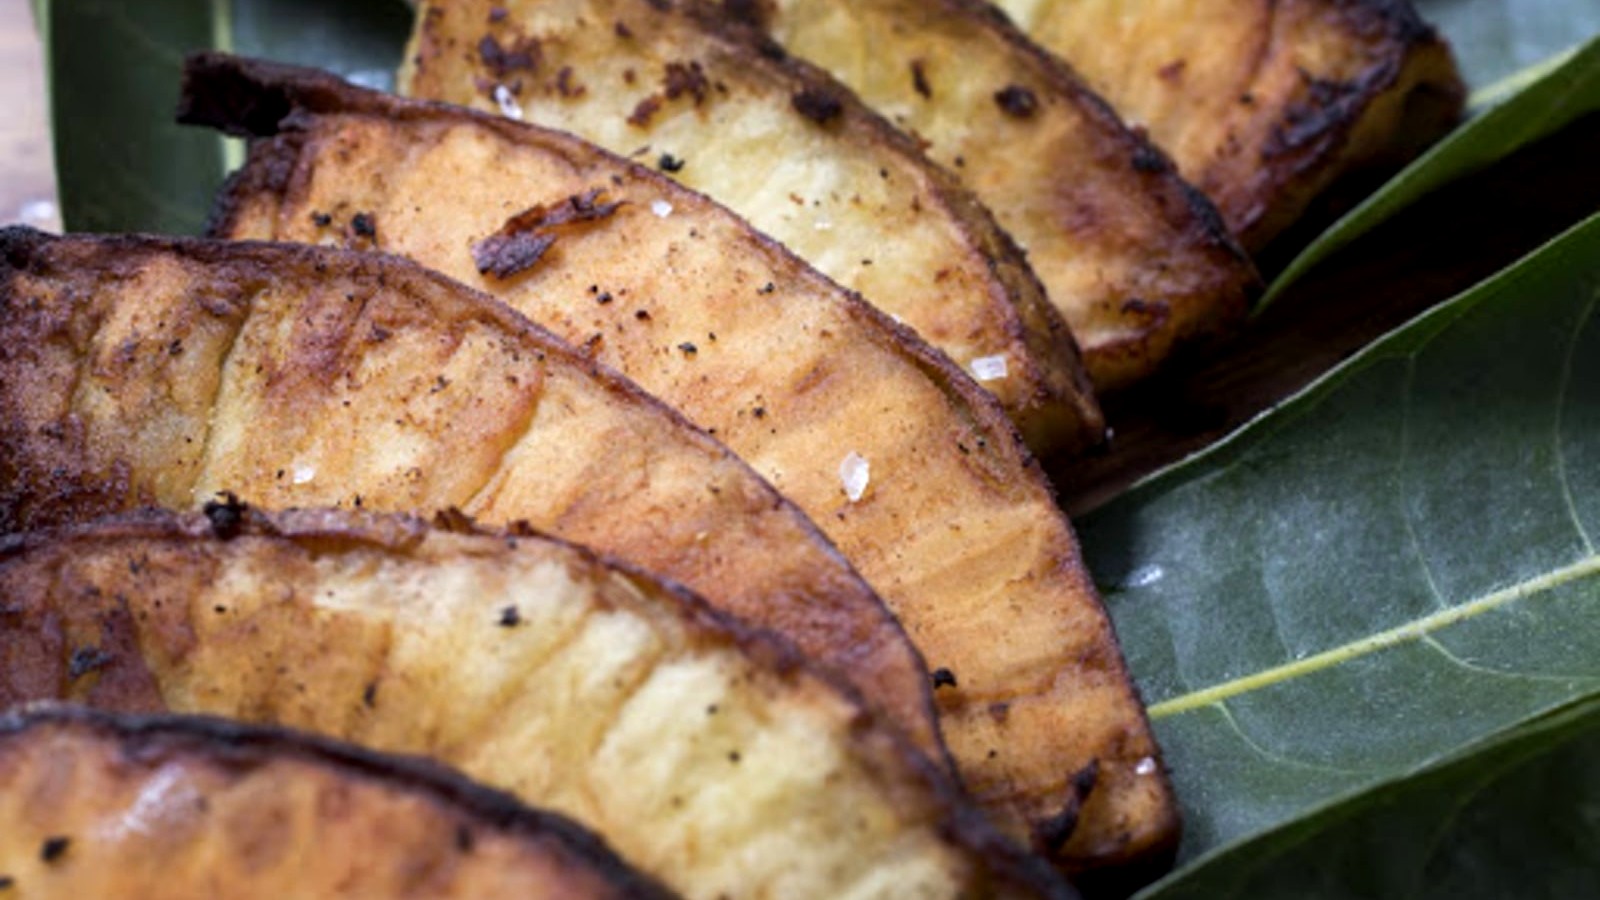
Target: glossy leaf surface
(121, 161)
(1392, 566)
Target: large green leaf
(1559, 95)
(1514, 817)
(1394, 564)
(121, 162)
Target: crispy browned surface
(783, 145)
(708, 755)
(957, 529)
(1262, 103)
(138, 371)
(1137, 261)
(177, 807)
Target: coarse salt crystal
(855, 472)
(304, 474)
(989, 368)
(1146, 766)
(509, 107)
(1144, 576)
(823, 225)
(661, 208)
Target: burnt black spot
(1148, 159)
(1017, 101)
(943, 677)
(54, 848)
(226, 515)
(1051, 834)
(321, 220)
(685, 78)
(521, 56)
(818, 105)
(525, 237)
(919, 79)
(510, 617)
(464, 839)
(369, 697)
(645, 111)
(496, 14)
(364, 225)
(85, 660)
(688, 348)
(669, 163)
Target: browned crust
(41, 486)
(235, 744)
(255, 98)
(1062, 414)
(259, 99)
(278, 102)
(1196, 220)
(24, 249)
(1212, 310)
(1283, 147)
(962, 824)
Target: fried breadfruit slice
(1262, 103)
(105, 805)
(709, 755)
(1137, 261)
(137, 371)
(952, 524)
(783, 145)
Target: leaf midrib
(1414, 630)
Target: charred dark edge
(236, 743)
(1006, 262)
(400, 274)
(1203, 225)
(313, 93)
(1013, 278)
(415, 280)
(221, 91)
(963, 824)
(329, 95)
(1407, 33)
(1207, 225)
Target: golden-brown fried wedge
(788, 148)
(138, 371)
(709, 755)
(103, 805)
(1137, 261)
(1262, 103)
(953, 523)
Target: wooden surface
(27, 178)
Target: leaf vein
(1406, 633)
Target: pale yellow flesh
(160, 374)
(701, 758)
(1262, 103)
(165, 815)
(846, 194)
(1127, 253)
(956, 528)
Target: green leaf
(122, 163)
(1394, 564)
(1556, 98)
(1494, 39)
(1497, 821)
